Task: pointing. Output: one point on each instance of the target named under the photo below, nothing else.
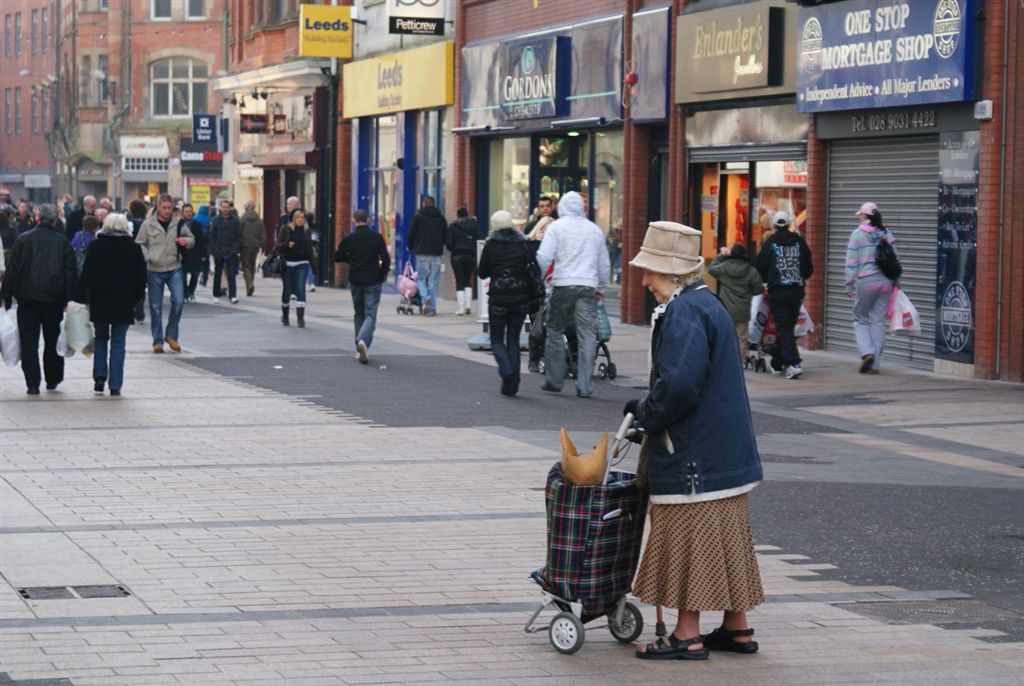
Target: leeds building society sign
(880, 53)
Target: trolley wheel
(399, 310)
(566, 633)
(540, 365)
(760, 366)
(602, 371)
(613, 371)
(632, 625)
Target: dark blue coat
(697, 401)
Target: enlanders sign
(325, 31)
(880, 53)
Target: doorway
(561, 163)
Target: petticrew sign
(417, 17)
(884, 53)
(410, 80)
(729, 50)
(325, 31)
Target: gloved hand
(630, 408)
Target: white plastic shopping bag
(78, 328)
(903, 316)
(10, 342)
(804, 325)
(759, 312)
(63, 349)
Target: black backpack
(886, 259)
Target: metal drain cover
(73, 592)
(6, 680)
(960, 611)
(46, 593)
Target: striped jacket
(860, 252)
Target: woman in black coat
(113, 279)
(506, 260)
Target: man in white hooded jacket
(576, 246)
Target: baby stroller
(410, 292)
(762, 334)
(604, 368)
(593, 547)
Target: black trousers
(785, 307)
(34, 315)
(463, 267)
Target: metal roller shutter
(901, 176)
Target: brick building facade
(28, 87)
(712, 160)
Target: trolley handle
(627, 423)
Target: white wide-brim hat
(670, 248)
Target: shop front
(145, 167)
(889, 86)
(202, 167)
(400, 106)
(746, 146)
(545, 113)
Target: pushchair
(410, 292)
(762, 334)
(604, 368)
(593, 547)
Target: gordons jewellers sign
(529, 85)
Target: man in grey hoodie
(576, 246)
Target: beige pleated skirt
(700, 557)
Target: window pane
(160, 69)
(179, 98)
(198, 70)
(162, 9)
(196, 8)
(160, 99)
(199, 98)
(553, 152)
(179, 69)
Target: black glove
(631, 408)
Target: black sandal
(723, 639)
(671, 648)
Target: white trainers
(234, 301)
(361, 353)
(794, 371)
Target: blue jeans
(293, 282)
(219, 263)
(175, 282)
(505, 324)
(569, 304)
(114, 335)
(428, 268)
(365, 300)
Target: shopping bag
(78, 328)
(604, 325)
(759, 312)
(10, 342)
(804, 325)
(903, 316)
(63, 349)
(407, 283)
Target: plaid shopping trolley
(593, 546)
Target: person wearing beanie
(785, 265)
(463, 233)
(510, 265)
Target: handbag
(536, 293)
(274, 264)
(407, 282)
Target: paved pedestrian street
(262, 509)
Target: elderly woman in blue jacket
(701, 457)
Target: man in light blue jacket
(576, 247)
